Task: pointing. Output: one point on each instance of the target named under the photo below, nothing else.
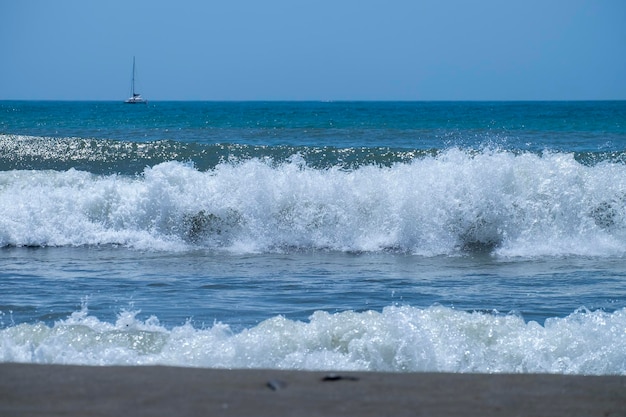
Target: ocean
(381, 236)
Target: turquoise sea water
(435, 236)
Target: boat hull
(136, 100)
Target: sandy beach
(55, 390)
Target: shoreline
(71, 390)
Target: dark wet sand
(53, 390)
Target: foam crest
(489, 201)
(398, 339)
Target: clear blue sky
(314, 49)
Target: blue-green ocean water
(402, 236)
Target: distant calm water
(384, 236)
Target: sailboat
(135, 98)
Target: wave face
(106, 156)
(398, 339)
(450, 202)
(100, 156)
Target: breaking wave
(398, 339)
(451, 202)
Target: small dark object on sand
(276, 384)
(335, 377)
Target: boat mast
(133, 79)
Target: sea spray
(494, 201)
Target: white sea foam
(399, 339)
(509, 204)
